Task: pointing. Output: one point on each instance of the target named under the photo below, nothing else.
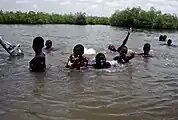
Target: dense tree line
(130, 17)
(32, 17)
(139, 18)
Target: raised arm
(4, 45)
(125, 40)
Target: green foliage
(139, 18)
(130, 17)
(32, 17)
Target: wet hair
(78, 49)
(112, 48)
(48, 44)
(161, 38)
(147, 45)
(38, 44)
(164, 37)
(146, 48)
(169, 42)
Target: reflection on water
(145, 89)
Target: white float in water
(89, 51)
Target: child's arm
(125, 40)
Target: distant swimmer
(123, 57)
(77, 60)
(162, 38)
(169, 43)
(38, 63)
(13, 50)
(113, 48)
(49, 46)
(146, 50)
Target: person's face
(101, 60)
(78, 52)
(123, 51)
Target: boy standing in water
(38, 63)
(77, 60)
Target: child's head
(169, 42)
(100, 59)
(164, 38)
(38, 44)
(161, 38)
(112, 48)
(146, 48)
(78, 50)
(124, 50)
(48, 44)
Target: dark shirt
(38, 63)
(77, 62)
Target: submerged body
(77, 59)
(123, 57)
(77, 62)
(38, 63)
(169, 43)
(146, 50)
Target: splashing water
(89, 51)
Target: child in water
(48, 44)
(169, 43)
(38, 63)
(77, 60)
(123, 57)
(162, 38)
(100, 62)
(146, 50)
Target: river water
(144, 89)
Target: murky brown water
(145, 89)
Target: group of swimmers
(77, 60)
